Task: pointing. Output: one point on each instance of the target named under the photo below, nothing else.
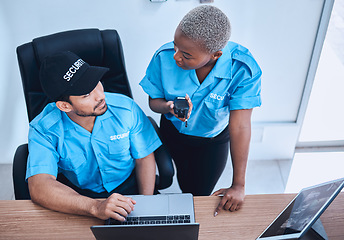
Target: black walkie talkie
(181, 108)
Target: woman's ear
(216, 55)
(64, 106)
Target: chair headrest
(86, 43)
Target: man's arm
(145, 174)
(240, 135)
(46, 191)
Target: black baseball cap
(66, 74)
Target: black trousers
(199, 161)
(128, 187)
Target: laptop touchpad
(155, 205)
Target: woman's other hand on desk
(232, 199)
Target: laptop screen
(303, 211)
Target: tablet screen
(304, 209)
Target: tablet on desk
(303, 211)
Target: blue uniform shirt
(233, 84)
(97, 161)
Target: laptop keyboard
(175, 219)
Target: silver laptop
(163, 216)
(300, 219)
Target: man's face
(92, 104)
(188, 54)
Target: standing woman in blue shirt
(221, 82)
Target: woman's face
(189, 54)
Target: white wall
(142, 25)
(267, 27)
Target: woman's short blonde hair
(207, 25)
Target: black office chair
(98, 48)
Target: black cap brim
(87, 82)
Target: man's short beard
(93, 114)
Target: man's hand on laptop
(116, 206)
